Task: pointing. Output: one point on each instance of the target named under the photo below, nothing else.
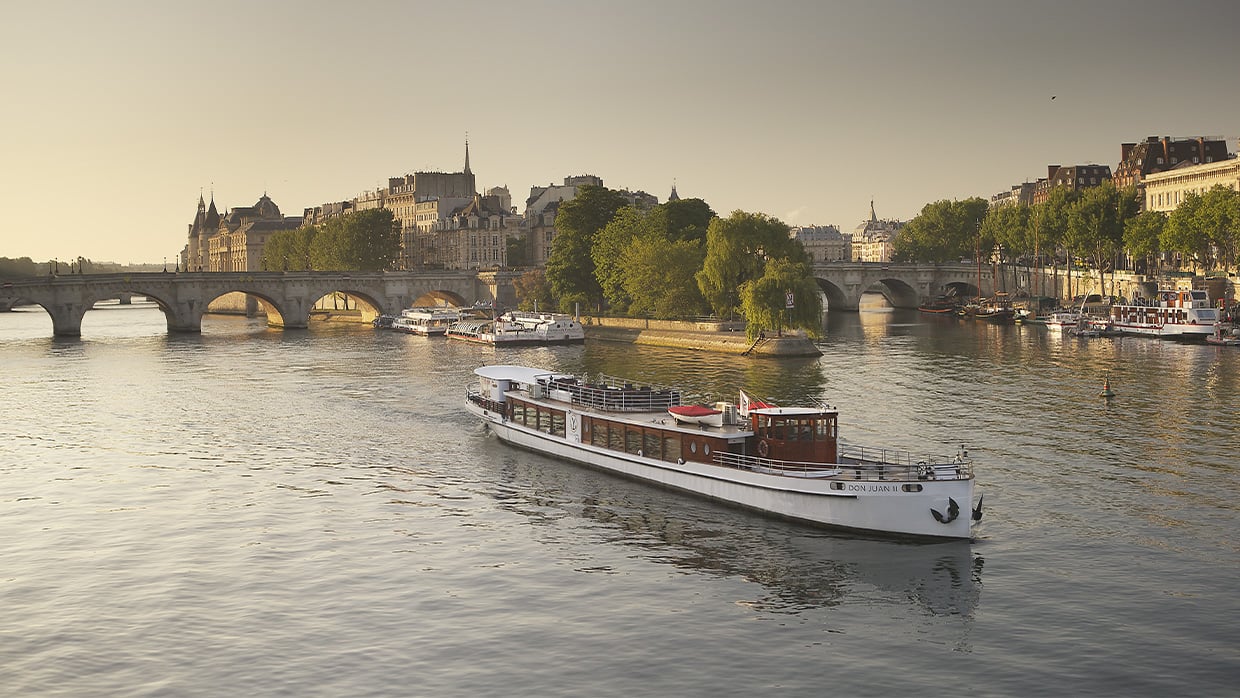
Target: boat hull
(876, 507)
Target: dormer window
(1160, 161)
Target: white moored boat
(516, 328)
(428, 322)
(785, 461)
(1182, 314)
(1064, 320)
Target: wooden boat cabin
(634, 419)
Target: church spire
(467, 155)
(873, 216)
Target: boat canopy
(519, 374)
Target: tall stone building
(1164, 191)
(1073, 177)
(419, 202)
(1137, 160)
(234, 241)
(823, 243)
(872, 240)
(540, 211)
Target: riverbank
(720, 337)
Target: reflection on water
(799, 567)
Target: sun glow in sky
(118, 115)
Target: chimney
(1051, 170)
(1125, 149)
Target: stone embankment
(722, 337)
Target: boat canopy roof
(789, 411)
(519, 374)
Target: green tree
(360, 241)
(289, 249)
(1094, 226)
(737, 248)
(533, 291)
(1219, 218)
(517, 251)
(1052, 225)
(1184, 234)
(609, 254)
(17, 268)
(685, 219)
(764, 300)
(1141, 235)
(570, 268)
(658, 277)
(945, 230)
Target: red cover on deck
(692, 411)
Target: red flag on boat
(747, 403)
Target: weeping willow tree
(765, 301)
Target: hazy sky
(116, 115)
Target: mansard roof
(267, 208)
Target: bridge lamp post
(165, 264)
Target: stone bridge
(286, 297)
(903, 285)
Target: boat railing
(858, 463)
(613, 397)
(474, 395)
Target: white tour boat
(428, 322)
(516, 327)
(1181, 314)
(785, 461)
(1064, 320)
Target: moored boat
(1174, 314)
(997, 309)
(1225, 334)
(1064, 320)
(428, 322)
(941, 305)
(1089, 326)
(519, 328)
(784, 461)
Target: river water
(312, 513)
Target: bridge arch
(441, 297)
(287, 297)
(897, 292)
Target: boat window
(777, 429)
(911, 487)
(652, 443)
(632, 441)
(692, 447)
(793, 432)
(518, 412)
(557, 423)
(598, 433)
(671, 447)
(706, 449)
(615, 440)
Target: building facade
(1072, 177)
(1165, 190)
(823, 243)
(872, 241)
(1138, 160)
(234, 241)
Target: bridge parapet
(288, 297)
(904, 285)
